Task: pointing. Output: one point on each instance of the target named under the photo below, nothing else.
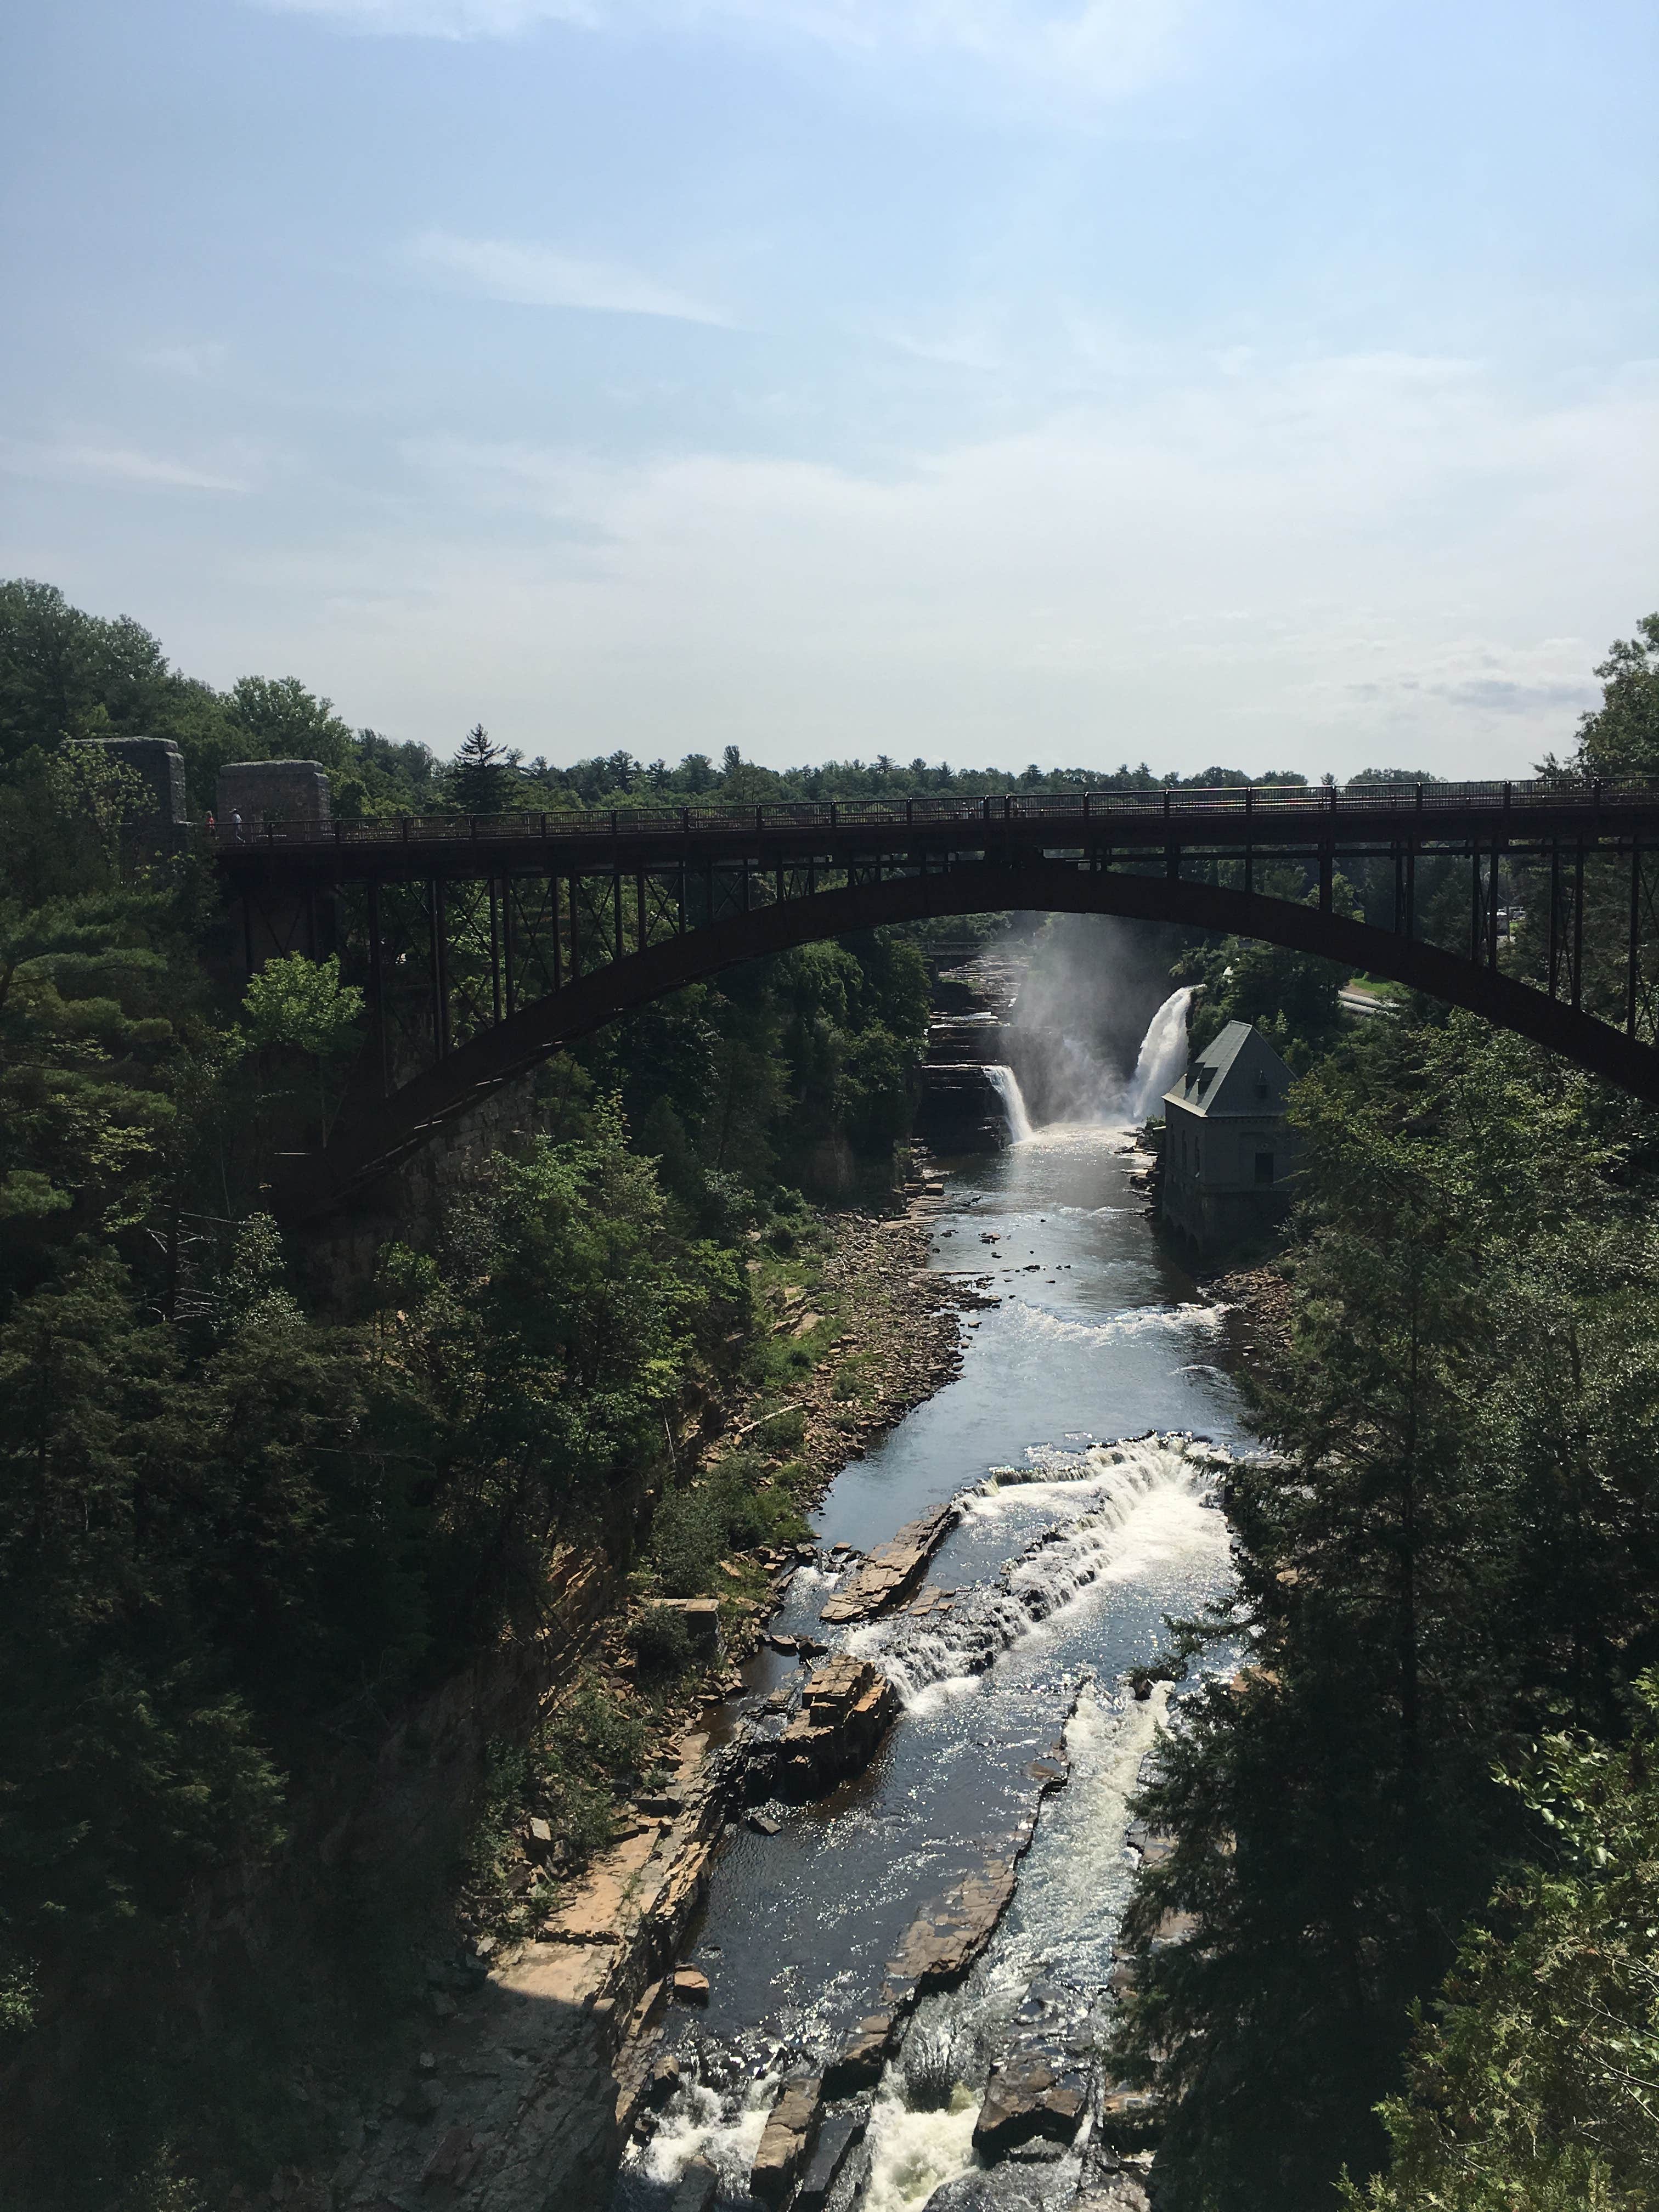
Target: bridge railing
(1235, 803)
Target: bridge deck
(1279, 816)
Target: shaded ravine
(1084, 1515)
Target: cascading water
(1006, 1084)
(1113, 1508)
(1068, 1552)
(1162, 1058)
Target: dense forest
(241, 1528)
(1428, 1792)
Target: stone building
(1229, 1154)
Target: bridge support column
(1579, 927)
(381, 1069)
(1633, 943)
(439, 965)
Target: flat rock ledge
(847, 1708)
(890, 1573)
(786, 2142)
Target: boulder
(839, 2136)
(936, 1950)
(452, 2162)
(662, 2082)
(697, 2186)
(847, 1707)
(690, 1986)
(786, 2142)
(702, 1616)
(1026, 2098)
(863, 2056)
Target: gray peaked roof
(1238, 1074)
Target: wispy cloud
(1322, 563)
(70, 462)
(536, 277)
(1104, 46)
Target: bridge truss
(484, 946)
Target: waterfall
(1137, 1499)
(1162, 1058)
(1006, 1084)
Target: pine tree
(482, 780)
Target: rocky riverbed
(537, 2059)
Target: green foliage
(1291, 997)
(782, 1074)
(688, 1537)
(1621, 736)
(659, 1642)
(483, 780)
(1454, 1546)
(590, 1750)
(299, 1006)
(278, 719)
(303, 1003)
(1537, 2088)
(65, 674)
(736, 1507)
(101, 1019)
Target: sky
(988, 380)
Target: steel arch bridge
(484, 946)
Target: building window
(1264, 1167)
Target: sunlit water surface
(1063, 1581)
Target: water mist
(1096, 1035)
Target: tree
(278, 719)
(1621, 736)
(301, 1006)
(65, 674)
(482, 780)
(1537, 2089)
(1292, 998)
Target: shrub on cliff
(659, 1642)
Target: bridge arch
(376, 1138)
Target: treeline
(1414, 1792)
(76, 675)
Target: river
(1061, 1580)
